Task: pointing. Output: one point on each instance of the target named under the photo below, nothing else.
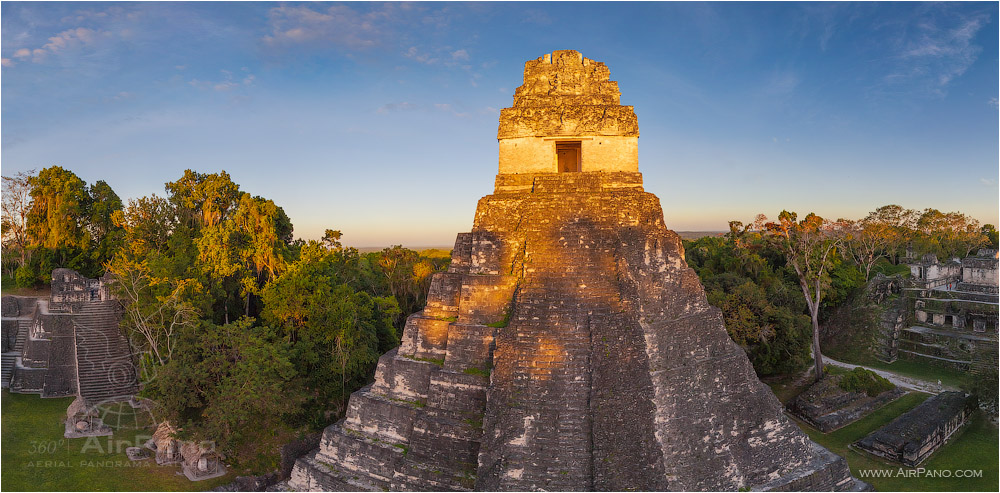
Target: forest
(234, 322)
(248, 337)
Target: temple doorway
(568, 156)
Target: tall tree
(809, 246)
(204, 199)
(895, 224)
(158, 303)
(14, 224)
(106, 236)
(265, 232)
(58, 214)
(949, 234)
(865, 242)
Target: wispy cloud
(782, 82)
(228, 82)
(439, 56)
(121, 96)
(393, 107)
(65, 41)
(935, 50)
(338, 26)
(535, 16)
(993, 102)
(435, 107)
(989, 182)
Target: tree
(809, 246)
(950, 234)
(156, 308)
(58, 214)
(337, 331)
(203, 199)
(895, 225)
(745, 276)
(16, 204)
(231, 384)
(992, 237)
(106, 236)
(266, 233)
(865, 242)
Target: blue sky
(381, 119)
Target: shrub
(24, 277)
(862, 380)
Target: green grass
(974, 447)
(36, 457)
(887, 268)
(475, 370)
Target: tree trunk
(817, 356)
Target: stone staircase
(10, 358)
(105, 370)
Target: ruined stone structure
(913, 437)
(827, 407)
(947, 314)
(569, 346)
(69, 344)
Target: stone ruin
(569, 346)
(946, 314)
(913, 437)
(827, 407)
(198, 460)
(69, 344)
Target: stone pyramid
(569, 346)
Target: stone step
(313, 474)
(7, 368)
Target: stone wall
(599, 153)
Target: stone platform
(913, 437)
(827, 407)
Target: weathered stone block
(444, 294)
(425, 337)
(380, 417)
(486, 299)
(458, 392)
(469, 347)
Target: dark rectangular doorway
(568, 156)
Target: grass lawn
(9, 287)
(974, 447)
(36, 457)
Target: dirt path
(899, 380)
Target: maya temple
(569, 346)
